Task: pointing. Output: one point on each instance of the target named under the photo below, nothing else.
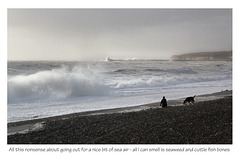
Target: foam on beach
(208, 122)
(38, 124)
(25, 128)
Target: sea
(39, 89)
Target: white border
(235, 148)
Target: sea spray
(55, 84)
(43, 89)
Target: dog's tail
(194, 96)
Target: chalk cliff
(204, 56)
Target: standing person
(163, 102)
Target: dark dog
(189, 100)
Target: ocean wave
(84, 79)
(126, 71)
(155, 70)
(165, 81)
(175, 71)
(55, 84)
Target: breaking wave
(55, 84)
(81, 80)
(48, 88)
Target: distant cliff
(204, 56)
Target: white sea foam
(55, 84)
(43, 89)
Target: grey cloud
(96, 33)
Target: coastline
(32, 125)
(105, 122)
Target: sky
(94, 34)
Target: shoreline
(25, 126)
(205, 122)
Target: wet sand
(208, 121)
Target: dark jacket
(163, 102)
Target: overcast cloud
(93, 34)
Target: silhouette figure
(163, 102)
